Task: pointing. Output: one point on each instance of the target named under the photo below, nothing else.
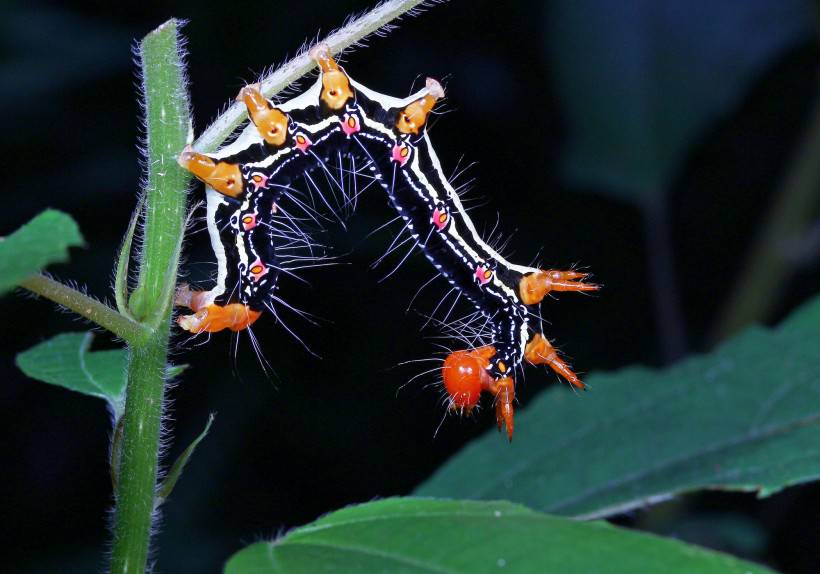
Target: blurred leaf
(745, 417)
(640, 81)
(406, 535)
(43, 240)
(65, 361)
(734, 533)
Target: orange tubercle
(224, 177)
(271, 122)
(534, 287)
(194, 300)
(336, 90)
(214, 318)
(414, 116)
(539, 351)
(504, 391)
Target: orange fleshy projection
(223, 177)
(504, 391)
(414, 116)
(336, 90)
(271, 123)
(534, 287)
(539, 351)
(214, 318)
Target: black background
(323, 434)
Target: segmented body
(340, 116)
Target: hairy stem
(356, 30)
(83, 305)
(167, 121)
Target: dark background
(322, 434)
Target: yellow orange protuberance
(336, 90)
(224, 177)
(504, 391)
(271, 122)
(414, 116)
(213, 318)
(534, 287)
(194, 300)
(539, 351)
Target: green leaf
(406, 535)
(173, 371)
(65, 361)
(167, 486)
(43, 240)
(641, 81)
(744, 417)
(121, 275)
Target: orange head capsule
(224, 177)
(414, 116)
(271, 123)
(336, 90)
(465, 376)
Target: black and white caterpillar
(250, 178)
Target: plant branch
(83, 305)
(376, 21)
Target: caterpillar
(337, 115)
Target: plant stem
(167, 121)
(356, 30)
(83, 305)
(137, 475)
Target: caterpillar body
(340, 116)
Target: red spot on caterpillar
(401, 153)
(258, 270)
(440, 218)
(249, 221)
(350, 125)
(303, 143)
(259, 181)
(483, 275)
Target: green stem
(352, 33)
(167, 122)
(83, 305)
(137, 474)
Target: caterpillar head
(467, 374)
